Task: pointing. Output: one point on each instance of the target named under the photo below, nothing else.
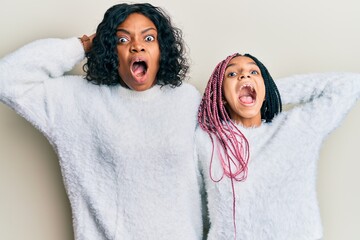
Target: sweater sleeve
(320, 100)
(201, 180)
(25, 72)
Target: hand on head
(87, 41)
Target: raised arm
(24, 75)
(322, 100)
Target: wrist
(85, 41)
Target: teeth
(247, 85)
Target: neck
(249, 122)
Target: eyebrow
(142, 32)
(233, 64)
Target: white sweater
(278, 200)
(126, 157)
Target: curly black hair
(102, 63)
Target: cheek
(122, 70)
(262, 91)
(156, 49)
(121, 54)
(120, 59)
(122, 66)
(227, 89)
(226, 95)
(157, 59)
(262, 95)
(231, 100)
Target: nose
(136, 46)
(243, 76)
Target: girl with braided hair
(258, 162)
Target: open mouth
(139, 68)
(247, 94)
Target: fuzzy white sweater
(278, 200)
(127, 157)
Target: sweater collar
(148, 94)
(250, 132)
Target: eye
(254, 72)
(231, 74)
(149, 38)
(122, 40)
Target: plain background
(289, 37)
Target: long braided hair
(215, 120)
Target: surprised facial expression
(138, 52)
(244, 91)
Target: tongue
(246, 99)
(138, 69)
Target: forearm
(321, 100)
(306, 88)
(25, 76)
(37, 62)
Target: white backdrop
(288, 37)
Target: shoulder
(202, 139)
(204, 148)
(188, 89)
(63, 48)
(185, 93)
(75, 87)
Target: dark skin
(87, 41)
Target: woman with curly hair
(258, 162)
(125, 135)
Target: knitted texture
(127, 157)
(278, 199)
